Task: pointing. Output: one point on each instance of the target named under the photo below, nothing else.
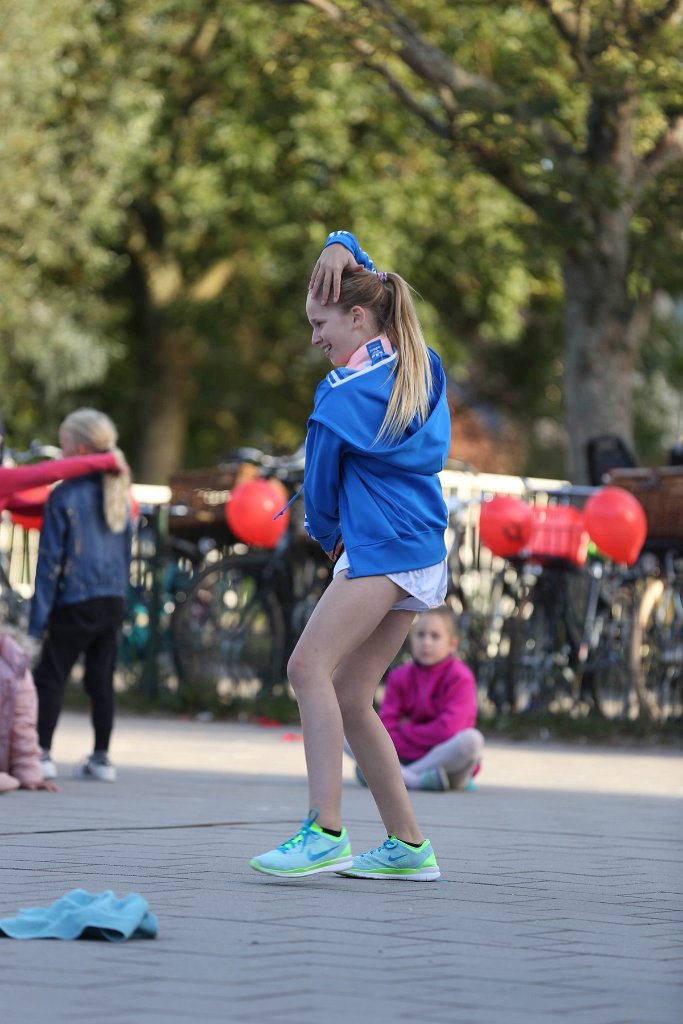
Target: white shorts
(426, 588)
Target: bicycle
(481, 592)
(657, 643)
(563, 640)
(237, 623)
(161, 568)
(657, 640)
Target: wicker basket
(660, 492)
(198, 498)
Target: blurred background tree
(576, 110)
(170, 170)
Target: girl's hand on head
(327, 272)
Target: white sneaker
(96, 766)
(47, 766)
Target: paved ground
(560, 899)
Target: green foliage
(171, 168)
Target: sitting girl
(430, 708)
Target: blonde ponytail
(387, 297)
(413, 374)
(96, 432)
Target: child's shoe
(47, 766)
(311, 850)
(396, 859)
(97, 766)
(435, 779)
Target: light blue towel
(86, 915)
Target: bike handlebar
(283, 467)
(36, 450)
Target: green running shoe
(395, 859)
(311, 850)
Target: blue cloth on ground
(85, 915)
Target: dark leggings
(91, 628)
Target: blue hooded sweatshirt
(382, 498)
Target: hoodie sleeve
(20, 478)
(321, 485)
(350, 242)
(24, 748)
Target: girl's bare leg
(355, 681)
(348, 614)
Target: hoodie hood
(382, 498)
(352, 403)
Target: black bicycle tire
(607, 673)
(546, 686)
(650, 655)
(527, 611)
(219, 659)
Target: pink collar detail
(370, 352)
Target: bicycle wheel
(14, 609)
(657, 652)
(494, 674)
(540, 675)
(607, 680)
(228, 631)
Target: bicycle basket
(198, 498)
(660, 492)
(558, 532)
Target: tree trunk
(604, 329)
(164, 422)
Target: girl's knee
(302, 671)
(472, 742)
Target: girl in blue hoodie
(377, 438)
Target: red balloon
(616, 521)
(25, 507)
(250, 512)
(505, 525)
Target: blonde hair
(387, 297)
(96, 432)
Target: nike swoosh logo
(319, 856)
(399, 856)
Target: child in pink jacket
(19, 749)
(430, 708)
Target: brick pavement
(560, 899)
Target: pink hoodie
(19, 749)
(424, 706)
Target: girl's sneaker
(435, 779)
(47, 766)
(395, 859)
(97, 766)
(311, 850)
